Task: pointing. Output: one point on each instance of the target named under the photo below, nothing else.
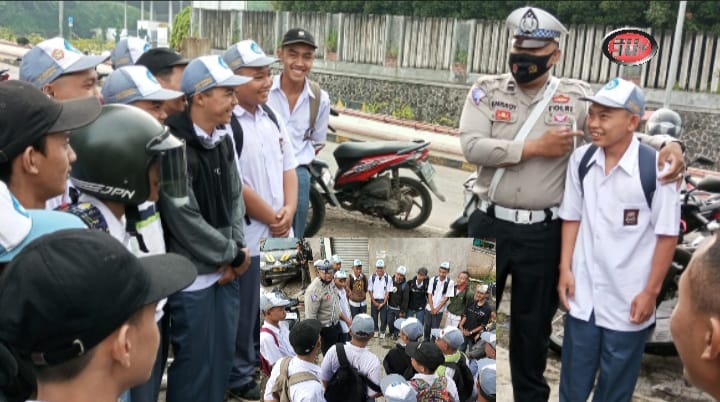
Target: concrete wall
(442, 103)
(429, 253)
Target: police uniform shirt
(361, 358)
(613, 253)
(306, 391)
(321, 302)
(495, 110)
(438, 296)
(271, 351)
(298, 119)
(267, 153)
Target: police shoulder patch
(477, 94)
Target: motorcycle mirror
(709, 184)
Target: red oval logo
(629, 46)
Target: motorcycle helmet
(664, 121)
(116, 151)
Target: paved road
(449, 182)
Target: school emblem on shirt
(630, 217)
(503, 115)
(477, 95)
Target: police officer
(519, 128)
(322, 303)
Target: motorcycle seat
(354, 150)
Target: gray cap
(362, 324)
(208, 72)
(270, 300)
(533, 27)
(396, 389)
(127, 51)
(451, 335)
(620, 94)
(247, 53)
(410, 326)
(51, 58)
(133, 83)
(323, 265)
(488, 380)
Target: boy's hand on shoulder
(566, 286)
(642, 307)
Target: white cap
(52, 58)
(357, 263)
(401, 270)
(247, 53)
(340, 274)
(208, 72)
(336, 259)
(620, 94)
(380, 264)
(270, 300)
(483, 288)
(132, 83)
(128, 50)
(445, 265)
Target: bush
(331, 41)
(461, 56)
(180, 28)
(7, 33)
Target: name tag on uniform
(630, 217)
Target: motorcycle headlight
(327, 178)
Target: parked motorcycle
(703, 217)
(368, 180)
(459, 227)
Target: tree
(181, 28)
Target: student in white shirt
(266, 163)
(425, 358)
(341, 279)
(617, 245)
(359, 356)
(440, 289)
(295, 98)
(274, 338)
(378, 286)
(301, 369)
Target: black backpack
(347, 383)
(463, 377)
(445, 286)
(237, 130)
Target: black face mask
(527, 67)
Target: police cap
(534, 27)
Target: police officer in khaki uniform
(521, 179)
(322, 303)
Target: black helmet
(116, 151)
(664, 121)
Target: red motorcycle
(368, 180)
(4, 74)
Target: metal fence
(462, 46)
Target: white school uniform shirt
(306, 391)
(204, 281)
(438, 296)
(612, 259)
(298, 120)
(361, 358)
(430, 378)
(117, 228)
(266, 154)
(345, 308)
(270, 351)
(379, 287)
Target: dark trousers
(531, 253)
(419, 314)
(150, 391)
(358, 310)
(382, 312)
(392, 315)
(204, 324)
(329, 336)
(247, 339)
(432, 321)
(587, 348)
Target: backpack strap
(237, 133)
(314, 102)
(648, 172)
(281, 387)
(445, 286)
(342, 356)
(271, 114)
(646, 165)
(269, 331)
(301, 377)
(434, 285)
(584, 166)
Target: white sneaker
(382, 336)
(376, 334)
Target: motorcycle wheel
(415, 189)
(316, 213)
(265, 281)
